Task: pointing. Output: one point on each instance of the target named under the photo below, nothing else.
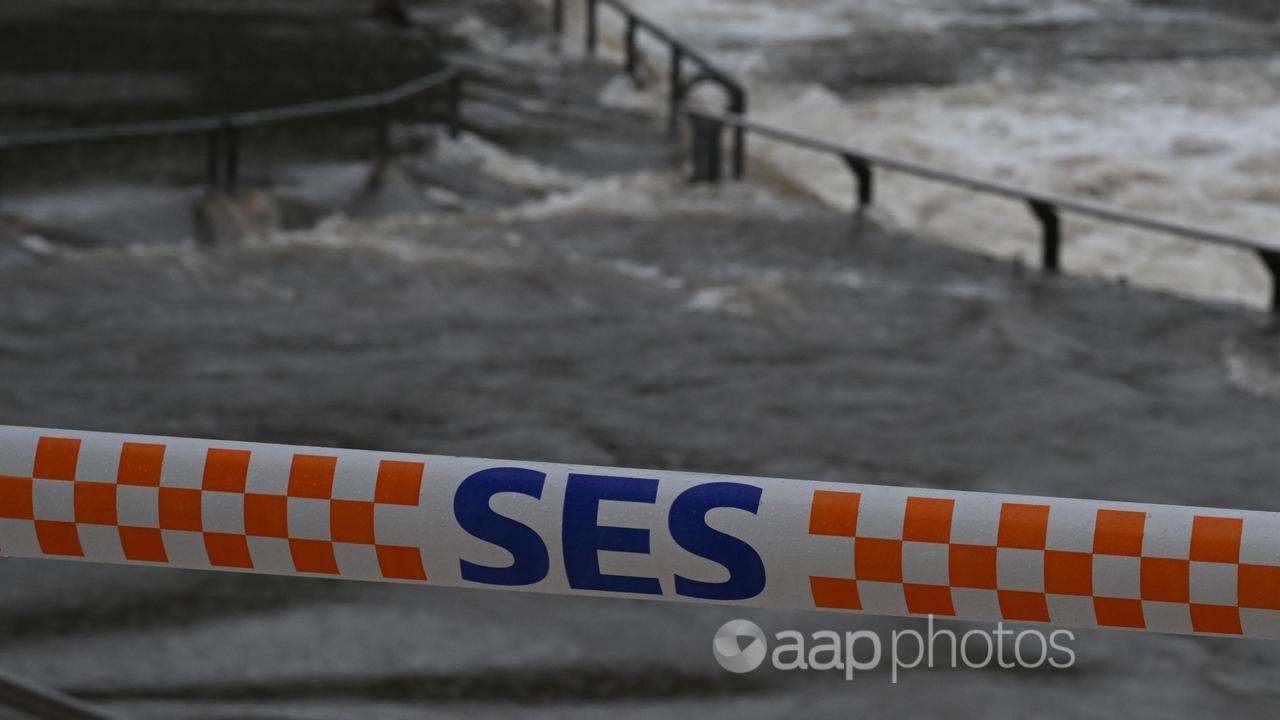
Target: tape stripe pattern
(393, 517)
(1036, 562)
(213, 517)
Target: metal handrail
(707, 164)
(222, 129)
(1046, 207)
(680, 52)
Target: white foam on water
(631, 195)
(648, 273)
(722, 300)
(742, 31)
(1251, 369)
(399, 237)
(1191, 142)
(498, 163)
(493, 41)
(646, 194)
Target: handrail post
(231, 170)
(676, 92)
(592, 12)
(707, 161)
(631, 50)
(213, 160)
(738, 106)
(455, 105)
(1051, 238)
(557, 18)
(1271, 259)
(863, 178)
(382, 133)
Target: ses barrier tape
(636, 533)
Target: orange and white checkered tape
(206, 505)
(629, 533)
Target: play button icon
(739, 646)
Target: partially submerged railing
(223, 155)
(1048, 209)
(679, 83)
(707, 150)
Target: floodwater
(1164, 108)
(549, 287)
